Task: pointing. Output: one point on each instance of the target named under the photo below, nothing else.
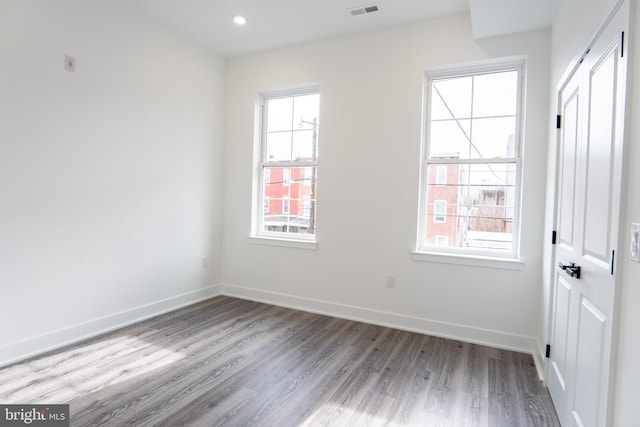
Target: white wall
(371, 100)
(576, 24)
(110, 177)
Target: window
(440, 211)
(442, 240)
(441, 175)
(287, 166)
(470, 181)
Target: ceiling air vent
(363, 10)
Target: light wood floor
(238, 363)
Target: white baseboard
(62, 337)
(398, 321)
(539, 358)
(34, 346)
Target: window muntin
(472, 130)
(288, 166)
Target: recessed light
(239, 20)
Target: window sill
(470, 260)
(287, 243)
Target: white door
(588, 198)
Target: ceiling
(278, 23)
(498, 17)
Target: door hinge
(613, 259)
(553, 237)
(584, 55)
(622, 45)
(547, 351)
(558, 121)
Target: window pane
(279, 114)
(306, 111)
(304, 145)
(449, 139)
(291, 195)
(493, 138)
(451, 98)
(442, 208)
(475, 209)
(278, 146)
(495, 94)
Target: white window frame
(258, 234)
(286, 205)
(430, 252)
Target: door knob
(572, 269)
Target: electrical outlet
(634, 250)
(204, 262)
(391, 282)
